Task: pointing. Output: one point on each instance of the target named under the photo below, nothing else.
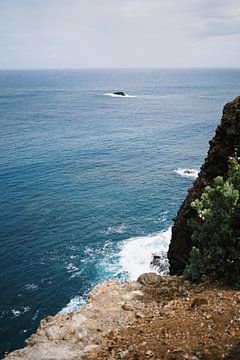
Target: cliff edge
(164, 318)
(225, 144)
(161, 318)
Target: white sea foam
(136, 254)
(23, 310)
(31, 286)
(125, 261)
(185, 172)
(119, 229)
(73, 305)
(162, 217)
(120, 96)
(73, 270)
(35, 315)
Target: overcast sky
(119, 33)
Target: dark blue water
(87, 180)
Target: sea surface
(90, 182)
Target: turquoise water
(88, 183)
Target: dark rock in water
(160, 263)
(225, 144)
(120, 93)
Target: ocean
(90, 182)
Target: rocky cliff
(225, 144)
(155, 317)
(161, 318)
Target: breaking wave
(73, 304)
(137, 254)
(186, 172)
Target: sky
(42, 34)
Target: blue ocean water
(89, 183)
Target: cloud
(216, 18)
(141, 8)
(107, 33)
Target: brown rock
(149, 279)
(198, 302)
(127, 307)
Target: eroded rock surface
(164, 318)
(111, 306)
(225, 144)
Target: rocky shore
(154, 318)
(164, 318)
(224, 145)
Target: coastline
(155, 317)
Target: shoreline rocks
(224, 145)
(161, 317)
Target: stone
(120, 93)
(208, 316)
(149, 279)
(149, 353)
(140, 315)
(198, 302)
(127, 306)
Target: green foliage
(216, 231)
(195, 269)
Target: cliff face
(154, 318)
(225, 144)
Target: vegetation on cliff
(225, 144)
(216, 231)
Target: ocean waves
(88, 187)
(186, 172)
(136, 254)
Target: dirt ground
(177, 321)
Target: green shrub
(216, 231)
(195, 269)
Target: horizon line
(123, 68)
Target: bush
(216, 231)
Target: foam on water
(125, 261)
(119, 229)
(73, 305)
(120, 96)
(73, 270)
(76, 165)
(136, 254)
(31, 287)
(185, 172)
(23, 310)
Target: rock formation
(155, 317)
(225, 144)
(110, 306)
(161, 318)
(120, 93)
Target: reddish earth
(164, 318)
(179, 321)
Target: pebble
(140, 315)
(208, 316)
(198, 302)
(127, 307)
(149, 353)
